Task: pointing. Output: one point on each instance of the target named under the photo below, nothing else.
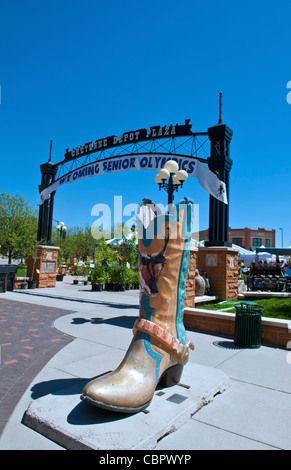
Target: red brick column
(44, 268)
(190, 282)
(221, 265)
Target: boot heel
(171, 376)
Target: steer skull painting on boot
(150, 268)
(159, 348)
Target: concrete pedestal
(44, 267)
(76, 425)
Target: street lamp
(175, 178)
(62, 229)
(281, 235)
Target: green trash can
(248, 321)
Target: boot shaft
(164, 257)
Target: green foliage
(105, 254)
(18, 226)
(276, 308)
(106, 259)
(78, 243)
(273, 307)
(134, 277)
(80, 270)
(21, 271)
(112, 264)
(120, 274)
(128, 250)
(98, 275)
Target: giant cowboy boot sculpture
(159, 348)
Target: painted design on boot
(150, 269)
(146, 312)
(163, 336)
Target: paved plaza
(28, 342)
(49, 335)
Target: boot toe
(116, 396)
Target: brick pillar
(190, 282)
(44, 268)
(221, 265)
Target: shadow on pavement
(124, 321)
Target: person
(260, 268)
(199, 284)
(287, 272)
(253, 269)
(272, 269)
(208, 290)
(267, 268)
(284, 267)
(278, 270)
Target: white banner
(194, 168)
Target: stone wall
(221, 265)
(274, 332)
(190, 283)
(19, 280)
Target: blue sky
(78, 71)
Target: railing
(269, 283)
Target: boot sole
(120, 409)
(169, 378)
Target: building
(246, 237)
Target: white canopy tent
(247, 257)
(119, 240)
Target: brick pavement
(28, 340)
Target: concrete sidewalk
(253, 413)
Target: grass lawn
(274, 308)
(21, 271)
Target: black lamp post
(62, 229)
(281, 236)
(175, 179)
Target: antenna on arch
(50, 155)
(220, 107)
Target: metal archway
(148, 149)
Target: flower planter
(97, 287)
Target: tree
(129, 250)
(105, 258)
(78, 243)
(18, 226)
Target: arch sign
(137, 150)
(194, 168)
